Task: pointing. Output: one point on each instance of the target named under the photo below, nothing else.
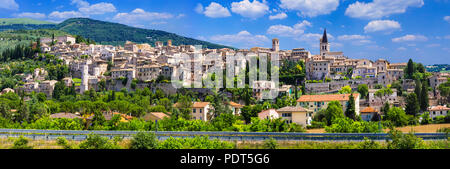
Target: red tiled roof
(200, 104)
(326, 98)
(64, 115)
(369, 110)
(439, 108)
(160, 115)
(234, 104)
(292, 109)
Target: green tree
(144, 140)
(345, 90)
(410, 69)
(350, 112)
(363, 89)
(59, 90)
(444, 90)
(333, 111)
(424, 100)
(397, 116)
(412, 104)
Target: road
(239, 136)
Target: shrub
(195, 143)
(439, 119)
(21, 143)
(270, 144)
(426, 119)
(369, 144)
(404, 141)
(95, 141)
(316, 125)
(62, 141)
(347, 125)
(144, 140)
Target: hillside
(116, 34)
(23, 24)
(23, 21)
(11, 38)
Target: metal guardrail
(240, 136)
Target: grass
(6, 143)
(429, 128)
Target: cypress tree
(424, 101)
(350, 112)
(412, 104)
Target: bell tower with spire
(324, 45)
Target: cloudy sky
(392, 29)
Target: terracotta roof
(439, 108)
(369, 110)
(200, 104)
(234, 104)
(194, 104)
(159, 115)
(326, 98)
(64, 115)
(292, 109)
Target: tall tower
(169, 42)
(84, 79)
(275, 44)
(324, 45)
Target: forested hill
(23, 24)
(116, 34)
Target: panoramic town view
(232, 74)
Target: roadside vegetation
(145, 140)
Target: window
(200, 110)
(193, 110)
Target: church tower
(275, 44)
(324, 45)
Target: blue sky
(392, 29)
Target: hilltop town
(317, 79)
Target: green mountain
(116, 34)
(11, 38)
(23, 23)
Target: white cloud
(215, 10)
(447, 18)
(278, 16)
(380, 8)
(9, 4)
(65, 15)
(199, 8)
(401, 48)
(352, 37)
(409, 38)
(382, 25)
(99, 8)
(80, 3)
(249, 9)
(356, 40)
(139, 16)
(433, 45)
(311, 8)
(288, 31)
(447, 37)
(312, 38)
(30, 15)
(243, 37)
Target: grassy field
(125, 144)
(430, 128)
